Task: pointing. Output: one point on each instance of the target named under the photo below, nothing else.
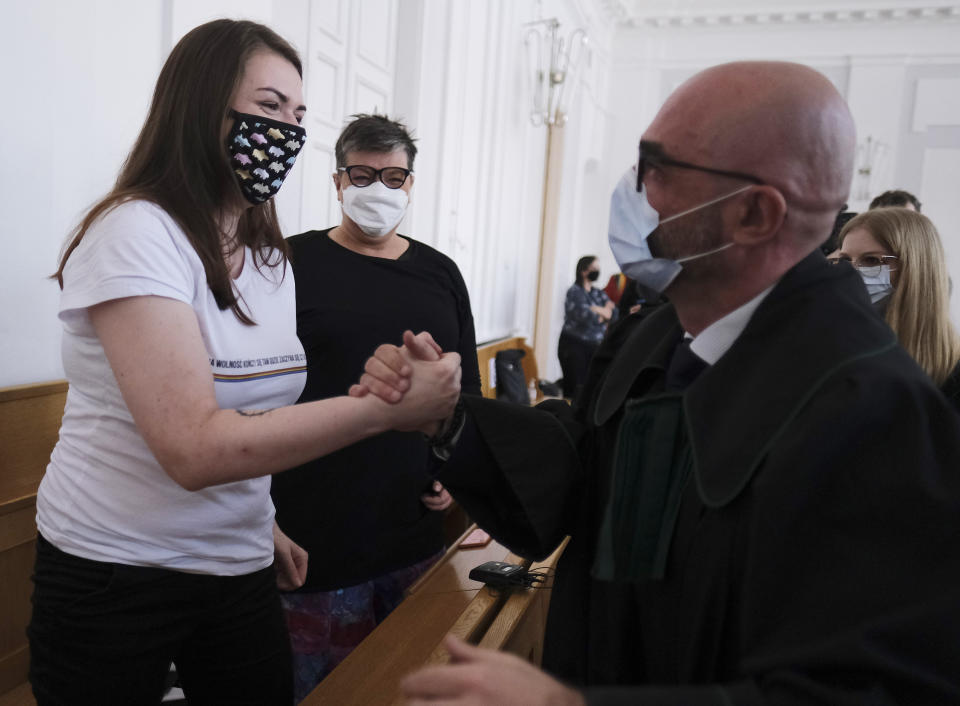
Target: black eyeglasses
(652, 153)
(361, 175)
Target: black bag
(511, 383)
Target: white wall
(78, 81)
(480, 169)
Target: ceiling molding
(647, 15)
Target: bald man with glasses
(761, 487)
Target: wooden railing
(443, 601)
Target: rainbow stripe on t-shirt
(244, 377)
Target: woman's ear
(336, 183)
(760, 215)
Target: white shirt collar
(716, 339)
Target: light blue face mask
(878, 285)
(632, 220)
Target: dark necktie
(685, 366)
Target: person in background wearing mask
(372, 512)
(157, 539)
(587, 311)
(898, 253)
(761, 491)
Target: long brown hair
(180, 161)
(919, 308)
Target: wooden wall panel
(29, 425)
(16, 567)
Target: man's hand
(438, 500)
(289, 561)
(432, 395)
(386, 374)
(478, 677)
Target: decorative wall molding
(613, 12)
(845, 61)
(623, 13)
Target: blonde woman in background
(898, 253)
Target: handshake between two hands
(418, 379)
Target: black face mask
(594, 275)
(262, 152)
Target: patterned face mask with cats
(262, 153)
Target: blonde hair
(919, 308)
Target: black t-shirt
(358, 511)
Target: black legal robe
(816, 554)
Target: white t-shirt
(104, 496)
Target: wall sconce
(554, 63)
(870, 155)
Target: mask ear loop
(697, 208)
(704, 254)
(708, 203)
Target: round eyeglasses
(361, 175)
(869, 264)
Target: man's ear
(336, 183)
(760, 215)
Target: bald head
(783, 122)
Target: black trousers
(106, 634)
(575, 355)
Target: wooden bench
(29, 425)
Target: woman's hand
(421, 384)
(438, 500)
(289, 561)
(602, 313)
(387, 372)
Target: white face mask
(879, 285)
(632, 220)
(376, 209)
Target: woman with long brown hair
(900, 257)
(156, 534)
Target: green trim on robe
(652, 464)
